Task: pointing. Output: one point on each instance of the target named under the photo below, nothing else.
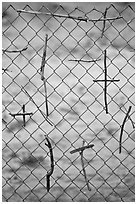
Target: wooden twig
(105, 81)
(44, 58)
(15, 51)
(80, 60)
(109, 80)
(122, 128)
(42, 72)
(105, 19)
(68, 16)
(80, 150)
(53, 14)
(83, 168)
(133, 124)
(21, 114)
(46, 101)
(104, 22)
(42, 113)
(50, 172)
(105, 88)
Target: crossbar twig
(50, 172)
(109, 80)
(122, 128)
(106, 19)
(15, 51)
(67, 16)
(18, 114)
(80, 60)
(42, 113)
(53, 14)
(81, 148)
(42, 72)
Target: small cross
(21, 114)
(105, 81)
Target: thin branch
(19, 114)
(46, 101)
(104, 22)
(42, 72)
(44, 58)
(109, 80)
(67, 16)
(24, 115)
(42, 113)
(80, 60)
(15, 51)
(105, 89)
(83, 168)
(52, 14)
(81, 148)
(133, 124)
(50, 172)
(122, 128)
(105, 81)
(105, 19)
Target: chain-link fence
(68, 102)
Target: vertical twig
(105, 89)
(50, 172)
(44, 58)
(104, 22)
(80, 150)
(24, 115)
(83, 168)
(46, 101)
(42, 72)
(122, 128)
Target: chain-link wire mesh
(75, 61)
